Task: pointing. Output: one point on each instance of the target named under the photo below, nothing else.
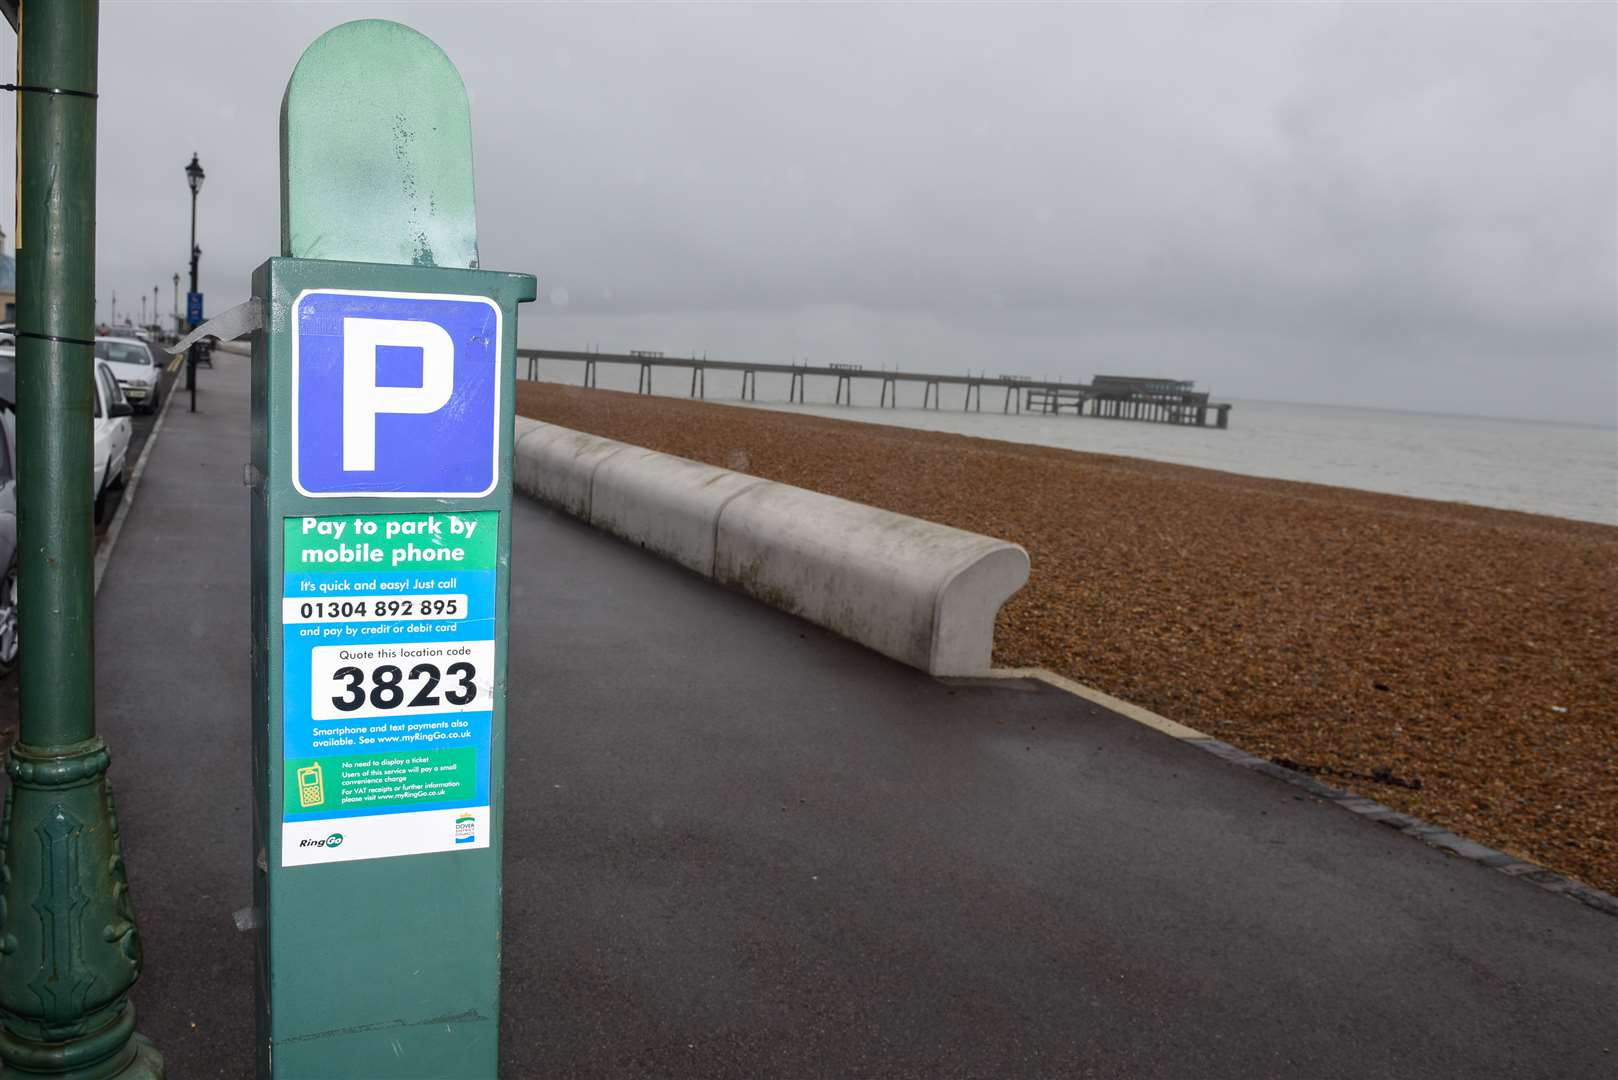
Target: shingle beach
(1455, 662)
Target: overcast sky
(1411, 205)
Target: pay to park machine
(381, 495)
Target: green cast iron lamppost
(69, 949)
(193, 176)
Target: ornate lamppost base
(69, 950)
(136, 1059)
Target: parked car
(136, 369)
(110, 427)
(111, 411)
(10, 642)
(111, 453)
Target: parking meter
(381, 493)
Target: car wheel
(10, 639)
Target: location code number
(388, 691)
(406, 678)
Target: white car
(8, 534)
(136, 369)
(111, 458)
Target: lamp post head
(194, 174)
(176, 280)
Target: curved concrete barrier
(922, 593)
(558, 465)
(919, 592)
(667, 504)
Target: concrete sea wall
(922, 593)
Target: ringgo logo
(334, 840)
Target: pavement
(738, 846)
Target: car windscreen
(122, 352)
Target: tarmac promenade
(737, 846)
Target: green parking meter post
(383, 398)
(69, 949)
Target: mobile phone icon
(311, 786)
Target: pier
(1109, 397)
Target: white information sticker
(402, 680)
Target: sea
(1563, 470)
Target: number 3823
(390, 686)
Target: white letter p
(364, 400)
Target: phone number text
(299, 609)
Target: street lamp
(193, 177)
(176, 301)
(70, 945)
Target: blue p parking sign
(395, 394)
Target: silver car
(111, 451)
(9, 642)
(137, 370)
(110, 424)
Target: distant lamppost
(143, 309)
(193, 177)
(154, 304)
(176, 301)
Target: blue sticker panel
(394, 394)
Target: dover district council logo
(466, 829)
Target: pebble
(1293, 620)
